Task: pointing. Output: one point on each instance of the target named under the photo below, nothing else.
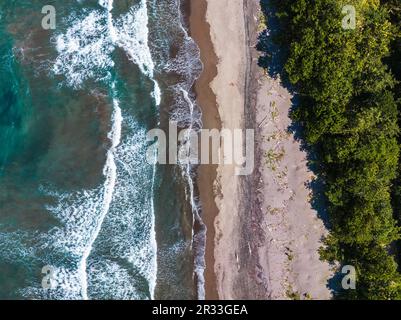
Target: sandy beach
(263, 234)
(200, 31)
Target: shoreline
(221, 96)
(206, 99)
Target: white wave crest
(84, 51)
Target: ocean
(83, 215)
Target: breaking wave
(119, 207)
(105, 237)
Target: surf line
(198, 239)
(199, 229)
(147, 67)
(110, 172)
(110, 169)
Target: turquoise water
(76, 192)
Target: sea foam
(84, 51)
(103, 230)
(90, 218)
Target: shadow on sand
(274, 45)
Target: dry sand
(293, 229)
(263, 235)
(228, 37)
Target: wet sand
(200, 32)
(220, 92)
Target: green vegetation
(347, 108)
(292, 295)
(395, 65)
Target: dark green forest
(346, 86)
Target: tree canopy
(347, 106)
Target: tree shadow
(271, 44)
